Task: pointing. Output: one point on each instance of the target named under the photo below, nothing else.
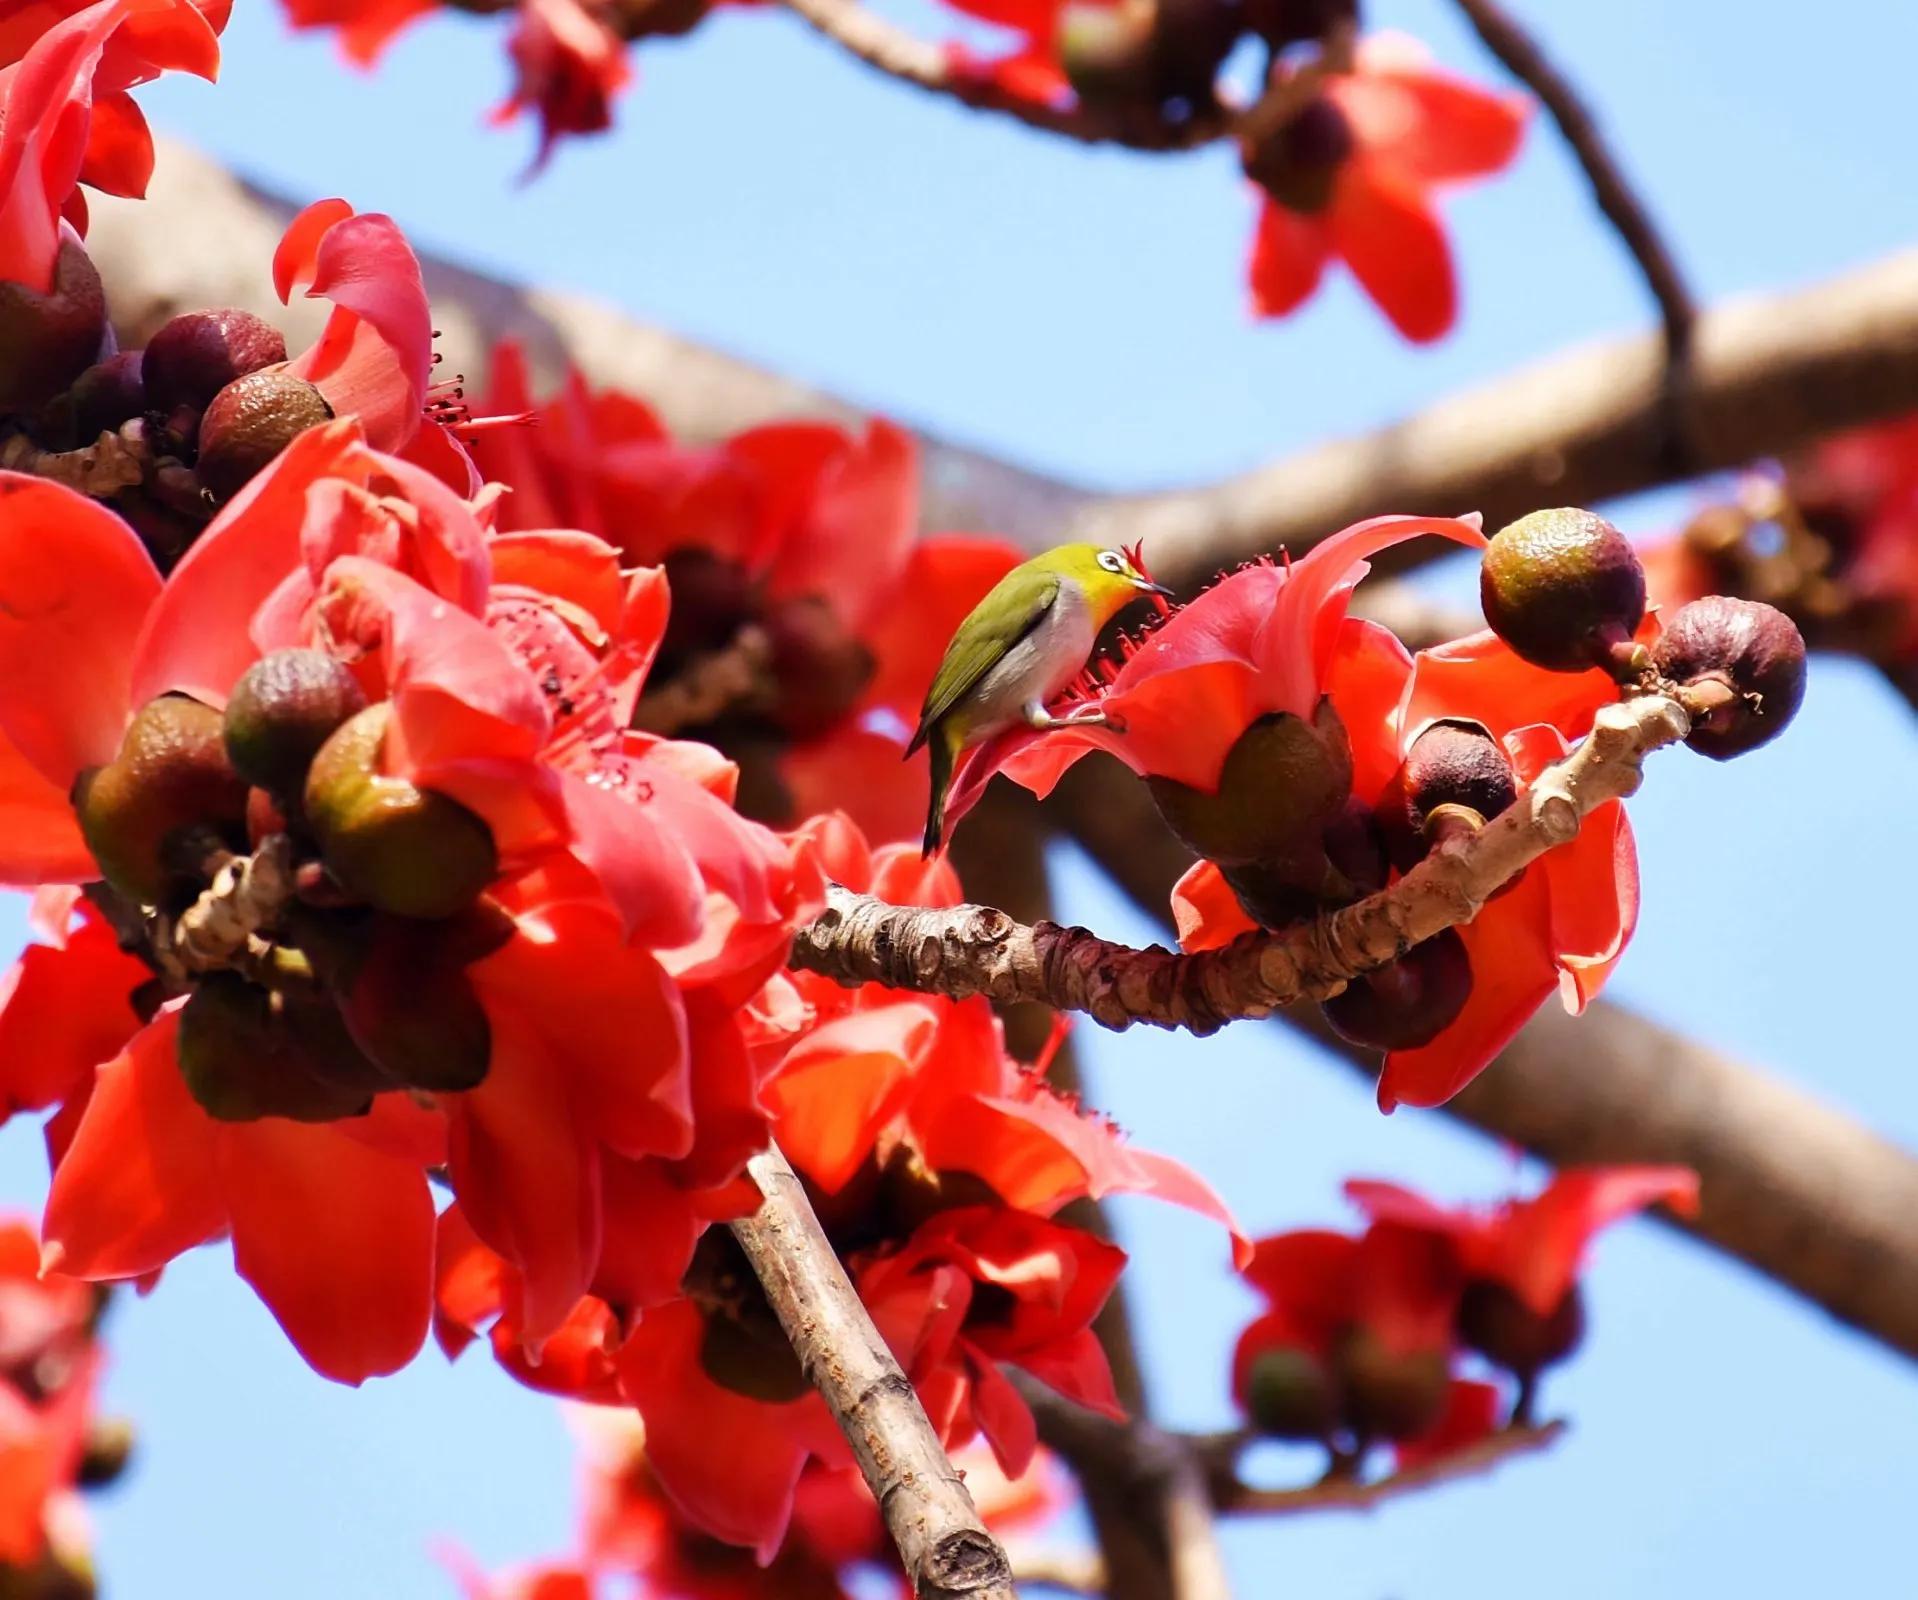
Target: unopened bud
(820, 668)
(285, 706)
(1298, 162)
(1564, 589)
(249, 422)
(171, 775)
(1408, 1002)
(197, 354)
(1107, 52)
(1500, 1326)
(1391, 1394)
(1755, 651)
(410, 1006)
(1291, 1394)
(47, 340)
(104, 1456)
(398, 848)
(1452, 763)
(245, 1057)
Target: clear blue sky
(1082, 311)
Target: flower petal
(39, 837)
(1387, 233)
(1289, 253)
(63, 1013)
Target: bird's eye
(1111, 561)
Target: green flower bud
(171, 775)
(1750, 648)
(197, 354)
(282, 710)
(1291, 1394)
(399, 848)
(1407, 1002)
(249, 422)
(48, 340)
(1283, 781)
(246, 1053)
(1563, 588)
(1390, 1394)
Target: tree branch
(890, 49)
(1520, 54)
(1795, 1189)
(943, 1545)
(1351, 1494)
(967, 949)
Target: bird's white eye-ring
(1112, 561)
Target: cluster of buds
(1367, 1340)
(362, 991)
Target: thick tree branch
(1520, 54)
(945, 1548)
(977, 950)
(1793, 1188)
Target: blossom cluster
(1345, 170)
(1364, 1338)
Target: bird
(1019, 647)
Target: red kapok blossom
(1564, 923)
(67, 117)
(1388, 134)
(569, 66)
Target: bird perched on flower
(1021, 646)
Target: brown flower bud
(245, 1054)
(820, 669)
(1755, 650)
(285, 706)
(103, 397)
(197, 354)
(1291, 1394)
(1563, 588)
(1107, 53)
(1452, 763)
(106, 1452)
(1505, 1330)
(249, 422)
(1391, 1394)
(48, 340)
(743, 1348)
(171, 775)
(1407, 1002)
(1298, 162)
(1287, 22)
(411, 1009)
(396, 847)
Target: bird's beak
(1150, 587)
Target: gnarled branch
(942, 1543)
(966, 950)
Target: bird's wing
(1016, 605)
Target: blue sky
(1083, 311)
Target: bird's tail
(942, 747)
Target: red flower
(66, 116)
(365, 26)
(510, 666)
(1264, 639)
(1391, 132)
(1565, 922)
(800, 533)
(374, 357)
(1536, 1248)
(570, 65)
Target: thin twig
(1351, 1494)
(904, 56)
(970, 949)
(1520, 54)
(943, 1545)
(114, 461)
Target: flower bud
(107, 394)
(410, 1007)
(1752, 649)
(48, 340)
(1291, 1394)
(104, 1456)
(743, 1348)
(1390, 1394)
(1106, 51)
(197, 354)
(1505, 1330)
(1298, 162)
(246, 1054)
(399, 848)
(820, 668)
(282, 710)
(1563, 588)
(1283, 780)
(1287, 22)
(171, 775)
(1452, 763)
(1190, 41)
(1408, 1002)
(712, 599)
(249, 422)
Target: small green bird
(1024, 643)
